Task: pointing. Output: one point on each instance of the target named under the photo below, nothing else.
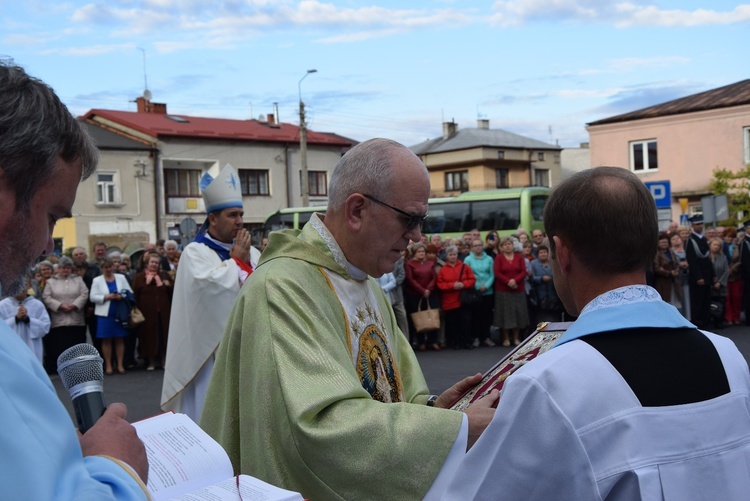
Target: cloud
(26, 40)
(641, 96)
(610, 67)
(621, 14)
(223, 22)
(358, 37)
(91, 50)
(635, 15)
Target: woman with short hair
(65, 295)
(666, 268)
(421, 283)
(452, 278)
(153, 296)
(511, 313)
(481, 311)
(106, 290)
(45, 269)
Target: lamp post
(303, 144)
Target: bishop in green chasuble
(315, 388)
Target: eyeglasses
(412, 220)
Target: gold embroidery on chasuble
(367, 338)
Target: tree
(736, 185)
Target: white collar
(338, 254)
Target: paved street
(141, 389)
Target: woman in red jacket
(452, 278)
(420, 281)
(511, 313)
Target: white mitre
(223, 192)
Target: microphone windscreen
(80, 364)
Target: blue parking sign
(662, 193)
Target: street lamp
(303, 144)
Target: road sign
(684, 221)
(662, 193)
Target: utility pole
(305, 188)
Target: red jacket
(505, 270)
(447, 277)
(420, 276)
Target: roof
(464, 139)
(164, 126)
(736, 94)
(107, 139)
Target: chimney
(270, 119)
(449, 128)
(146, 106)
(483, 123)
(276, 113)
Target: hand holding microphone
(105, 432)
(80, 368)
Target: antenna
(146, 92)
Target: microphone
(82, 374)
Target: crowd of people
(67, 297)
(507, 285)
(701, 271)
(512, 277)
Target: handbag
(468, 296)
(136, 317)
(427, 319)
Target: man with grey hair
(44, 154)
(315, 388)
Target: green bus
(503, 210)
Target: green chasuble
(315, 389)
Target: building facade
(154, 192)
(482, 158)
(680, 141)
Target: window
(501, 155)
(455, 181)
(643, 156)
(106, 188)
(317, 183)
(182, 182)
(501, 178)
(449, 217)
(541, 177)
(540, 156)
(746, 141)
(537, 206)
(254, 182)
(496, 214)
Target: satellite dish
(147, 95)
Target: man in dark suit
(700, 274)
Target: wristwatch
(431, 400)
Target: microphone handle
(88, 407)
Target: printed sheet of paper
(251, 489)
(181, 456)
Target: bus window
(304, 217)
(448, 218)
(537, 206)
(496, 215)
(286, 221)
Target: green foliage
(737, 187)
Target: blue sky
(396, 69)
